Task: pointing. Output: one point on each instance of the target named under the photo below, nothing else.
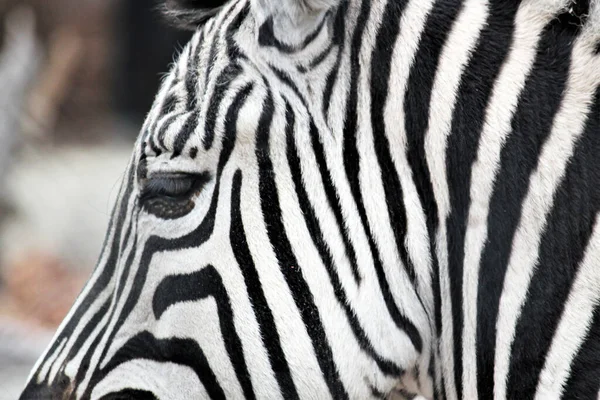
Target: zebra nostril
(65, 387)
(61, 389)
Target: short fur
(190, 14)
(363, 199)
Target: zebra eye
(171, 185)
(170, 196)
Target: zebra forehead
(237, 45)
(354, 199)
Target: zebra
(353, 199)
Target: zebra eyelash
(171, 196)
(174, 186)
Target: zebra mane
(190, 14)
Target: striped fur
(355, 199)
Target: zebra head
(354, 199)
(251, 253)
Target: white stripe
(567, 127)
(575, 322)
(368, 301)
(585, 294)
(456, 54)
(167, 381)
(155, 115)
(497, 126)
(49, 361)
(115, 280)
(417, 239)
(342, 341)
(412, 24)
(374, 200)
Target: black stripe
(223, 82)
(314, 228)
(285, 78)
(168, 104)
(184, 352)
(84, 366)
(474, 93)
(87, 331)
(197, 286)
(416, 108)
(494, 43)
(321, 57)
(160, 135)
(330, 191)
(584, 381)
(440, 391)
(563, 244)
(332, 196)
(266, 36)
(339, 31)
(233, 50)
(191, 77)
(167, 107)
(269, 199)
(264, 316)
(381, 61)
(333, 199)
(189, 127)
(531, 125)
(122, 284)
(212, 56)
(352, 168)
(130, 394)
(116, 297)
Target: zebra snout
(60, 389)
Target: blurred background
(76, 79)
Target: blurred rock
(41, 288)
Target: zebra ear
(190, 14)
